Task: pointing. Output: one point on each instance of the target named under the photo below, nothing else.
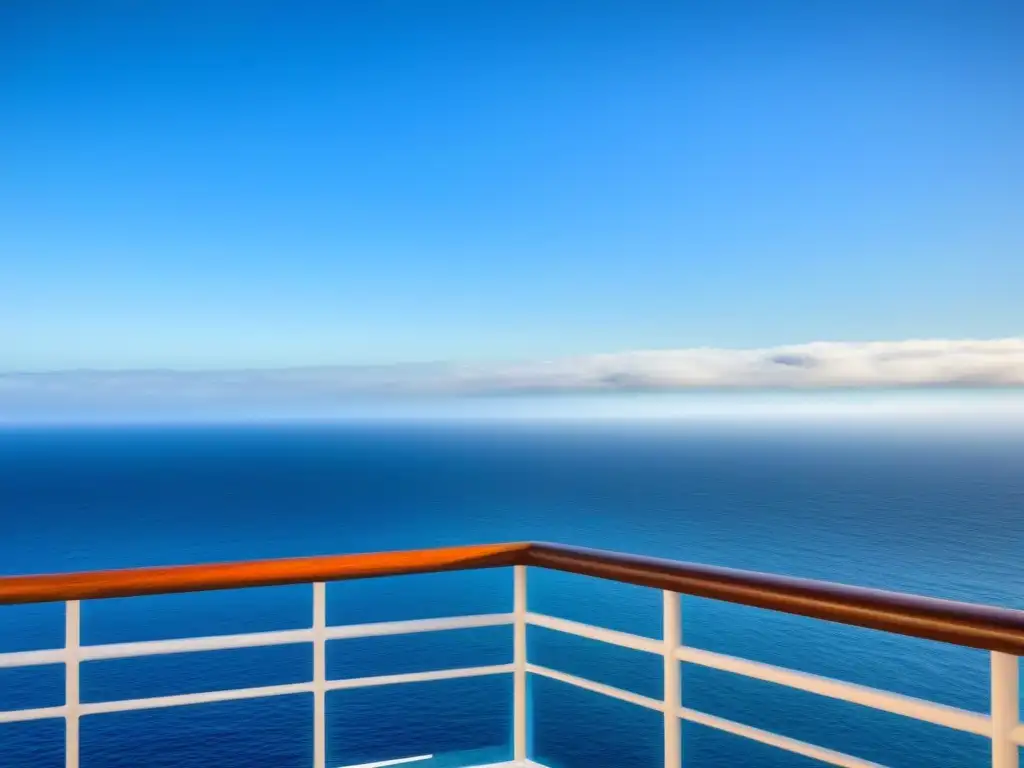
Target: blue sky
(209, 185)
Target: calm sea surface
(921, 511)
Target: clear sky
(247, 184)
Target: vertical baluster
(672, 636)
(1005, 710)
(72, 643)
(319, 674)
(519, 739)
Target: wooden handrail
(976, 626)
(135, 582)
(967, 624)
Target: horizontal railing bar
(257, 573)
(897, 704)
(418, 677)
(31, 658)
(976, 626)
(590, 685)
(128, 705)
(772, 739)
(41, 713)
(1017, 734)
(251, 640)
(194, 644)
(614, 637)
(207, 697)
(350, 631)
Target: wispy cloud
(883, 364)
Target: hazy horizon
(953, 410)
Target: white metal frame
(519, 703)
(1002, 725)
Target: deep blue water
(926, 512)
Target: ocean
(909, 508)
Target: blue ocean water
(923, 511)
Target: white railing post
(519, 724)
(72, 698)
(1005, 710)
(319, 675)
(672, 638)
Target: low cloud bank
(824, 366)
(925, 363)
(996, 363)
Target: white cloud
(823, 365)
(820, 364)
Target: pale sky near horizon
(203, 185)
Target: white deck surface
(403, 762)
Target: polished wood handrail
(967, 624)
(976, 626)
(134, 582)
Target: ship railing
(999, 631)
